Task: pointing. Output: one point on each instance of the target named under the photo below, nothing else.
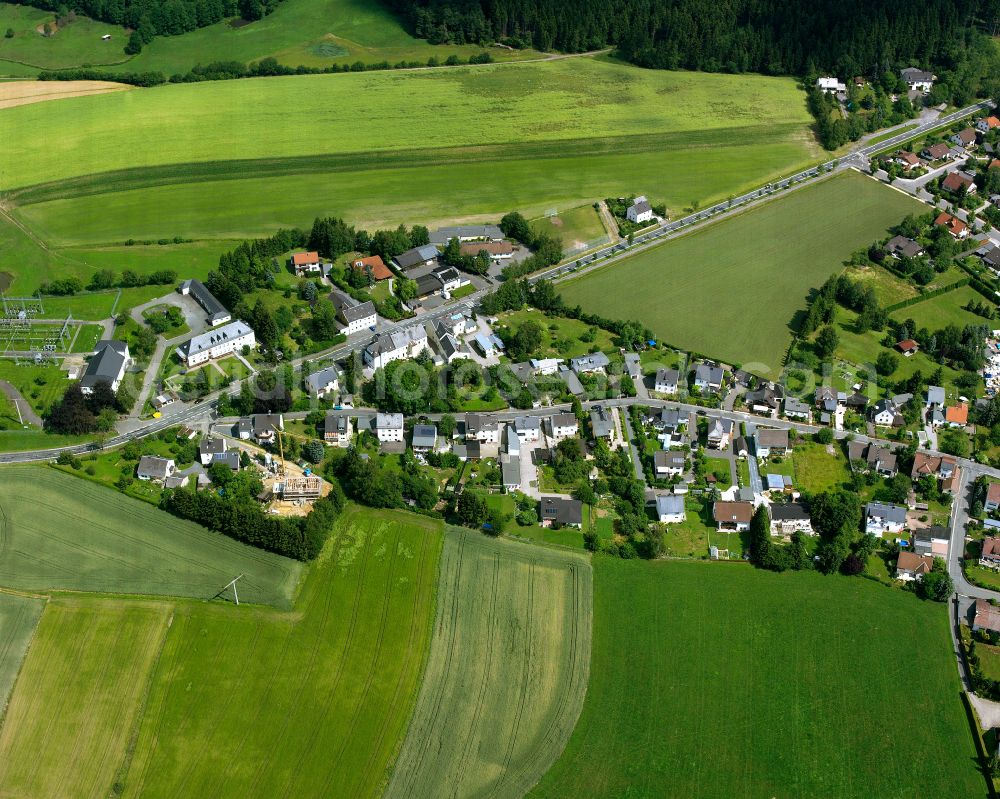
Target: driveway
(28, 415)
(194, 315)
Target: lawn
(251, 702)
(76, 702)
(945, 309)
(579, 228)
(40, 384)
(507, 671)
(561, 337)
(760, 275)
(703, 683)
(690, 538)
(18, 617)
(67, 533)
(817, 470)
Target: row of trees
(108, 279)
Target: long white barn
(217, 343)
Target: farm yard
(19, 615)
(67, 533)
(720, 681)
(76, 701)
(507, 670)
(249, 702)
(717, 291)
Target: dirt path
(27, 412)
(608, 221)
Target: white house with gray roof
(426, 255)
(639, 211)
(397, 345)
(594, 362)
(670, 508)
(442, 236)
(355, 316)
(424, 438)
(602, 422)
(155, 469)
(564, 425)
(389, 426)
(323, 382)
(108, 365)
(883, 517)
(217, 343)
(708, 378)
(666, 381)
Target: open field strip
(18, 617)
(731, 290)
(582, 98)
(721, 681)
(64, 532)
(75, 704)
(24, 92)
(248, 702)
(507, 671)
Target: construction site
(289, 489)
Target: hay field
(23, 92)
(507, 672)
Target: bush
(823, 436)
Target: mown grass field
(64, 532)
(249, 702)
(713, 680)
(507, 671)
(732, 289)
(75, 44)
(74, 708)
(945, 309)
(18, 618)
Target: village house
(910, 566)
(451, 348)
(986, 124)
(959, 182)
(306, 263)
(770, 441)
(733, 517)
(528, 428)
(426, 255)
(941, 466)
(108, 364)
(587, 364)
(671, 426)
(765, 400)
(217, 343)
(355, 316)
(389, 427)
(871, 457)
(264, 427)
(373, 266)
(936, 152)
(230, 459)
(883, 517)
(884, 413)
(931, 541)
(790, 518)
(955, 226)
(990, 554)
(497, 250)
(510, 472)
(992, 502)
(902, 247)
(443, 235)
(561, 512)
(323, 382)
(155, 469)
(796, 409)
(907, 160)
(424, 438)
(639, 211)
(918, 80)
(216, 313)
(451, 279)
(986, 617)
(991, 258)
(397, 345)
(666, 381)
(564, 425)
(483, 428)
(908, 347)
(670, 508)
(668, 464)
(337, 429)
(935, 397)
(601, 422)
(720, 432)
(209, 447)
(708, 378)
(545, 366)
(964, 138)
(830, 85)
(956, 415)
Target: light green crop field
(731, 290)
(716, 680)
(945, 309)
(18, 618)
(77, 43)
(74, 708)
(507, 672)
(63, 532)
(576, 99)
(254, 703)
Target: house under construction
(294, 488)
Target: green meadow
(732, 289)
(718, 680)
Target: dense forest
(850, 37)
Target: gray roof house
(511, 472)
(319, 383)
(153, 468)
(418, 256)
(424, 437)
(230, 459)
(882, 517)
(666, 380)
(669, 507)
(108, 365)
(901, 246)
(935, 397)
(594, 362)
(602, 422)
(564, 512)
(210, 447)
(466, 233)
(707, 377)
(264, 425)
(796, 409)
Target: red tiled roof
(379, 270)
(303, 258)
(912, 562)
(908, 345)
(958, 414)
(955, 226)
